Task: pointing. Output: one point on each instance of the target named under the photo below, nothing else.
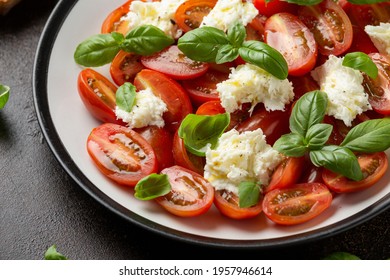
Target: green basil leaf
(236, 35)
(339, 160)
(304, 2)
(309, 110)
(97, 50)
(226, 53)
(4, 95)
(291, 145)
(362, 62)
(152, 186)
(146, 40)
(198, 131)
(369, 137)
(249, 194)
(362, 2)
(118, 37)
(341, 256)
(265, 57)
(318, 135)
(52, 254)
(203, 44)
(125, 97)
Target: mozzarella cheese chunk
(238, 158)
(159, 14)
(228, 12)
(380, 36)
(250, 84)
(147, 110)
(343, 85)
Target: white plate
(66, 125)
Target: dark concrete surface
(40, 205)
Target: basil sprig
(4, 95)
(152, 186)
(209, 44)
(362, 62)
(249, 194)
(198, 131)
(125, 97)
(101, 49)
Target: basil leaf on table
(369, 137)
(249, 194)
(318, 135)
(4, 95)
(292, 145)
(152, 186)
(362, 62)
(125, 97)
(339, 160)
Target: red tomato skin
(98, 95)
(372, 14)
(189, 15)
(113, 20)
(125, 67)
(210, 108)
(113, 157)
(303, 84)
(197, 188)
(291, 37)
(162, 141)
(172, 62)
(340, 184)
(170, 91)
(227, 205)
(361, 41)
(273, 7)
(297, 203)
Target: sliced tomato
(255, 29)
(161, 140)
(286, 174)
(339, 131)
(173, 95)
(210, 108)
(330, 26)
(184, 158)
(311, 174)
(191, 194)
(379, 89)
(273, 123)
(121, 154)
(190, 14)
(361, 41)
(373, 166)
(273, 7)
(125, 67)
(172, 62)
(114, 22)
(296, 204)
(303, 84)
(204, 88)
(98, 95)
(291, 37)
(228, 205)
(372, 14)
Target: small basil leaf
(361, 2)
(339, 160)
(362, 62)
(97, 50)
(249, 194)
(291, 145)
(369, 137)
(125, 97)
(341, 256)
(198, 131)
(146, 40)
(318, 135)
(52, 254)
(236, 35)
(309, 110)
(226, 53)
(304, 2)
(152, 186)
(265, 57)
(4, 95)
(202, 44)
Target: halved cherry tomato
(121, 154)
(186, 159)
(311, 174)
(98, 95)
(173, 95)
(372, 14)
(273, 123)
(303, 84)
(361, 41)
(113, 21)
(344, 4)
(291, 37)
(286, 174)
(161, 140)
(191, 194)
(228, 204)
(273, 7)
(373, 166)
(379, 89)
(210, 108)
(255, 29)
(190, 14)
(172, 62)
(330, 26)
(125, 67)
(204, 88)
(296, 204)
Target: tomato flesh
(125, 67)
(190, 14)
(113, 22)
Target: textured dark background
(40, 205)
